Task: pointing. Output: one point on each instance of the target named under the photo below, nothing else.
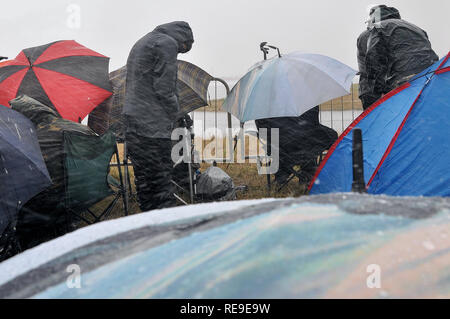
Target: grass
(241, 173)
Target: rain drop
(428, 245)
(18, 133)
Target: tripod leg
(123, 186)
(191, 183)
(126, 177)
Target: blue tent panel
(427, 124)
(418, 165)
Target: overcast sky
(227, 33)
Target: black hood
(37, 112)
(180, 31)
(383, 12)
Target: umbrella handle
(275, 48)
(264, 47)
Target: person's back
(396, 49)
(365, 93)
(150, 99)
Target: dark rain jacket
(361, 45)
(396, 49)
(151, 101)
(301, 137)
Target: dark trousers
(152, 163)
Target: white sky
(227, 33)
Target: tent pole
(358, 185)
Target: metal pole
(189, 149)
(269, 144)
(229, 120)
(358, 184)
(215, 115)
(123, 184)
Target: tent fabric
(405, 141)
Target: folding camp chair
(300, 160)
(87, 179)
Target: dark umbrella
(23, 172)
(192, 86)
(64, 75)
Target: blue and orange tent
(406, 141)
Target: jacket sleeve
(377, 62)
(361, 47)
(165, 81)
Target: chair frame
(120, 193)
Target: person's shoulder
(363, 36)
(165, 42)
(364, 33)
(410, 25)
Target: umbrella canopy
(64, 75)
(23, 173)
(288, 86)
(192, 86)
(405, 141)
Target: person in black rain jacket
(396, 50)
(150, 108)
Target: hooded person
(396, 50)
(150, 109)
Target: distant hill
(342, 103)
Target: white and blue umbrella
(288, 86)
